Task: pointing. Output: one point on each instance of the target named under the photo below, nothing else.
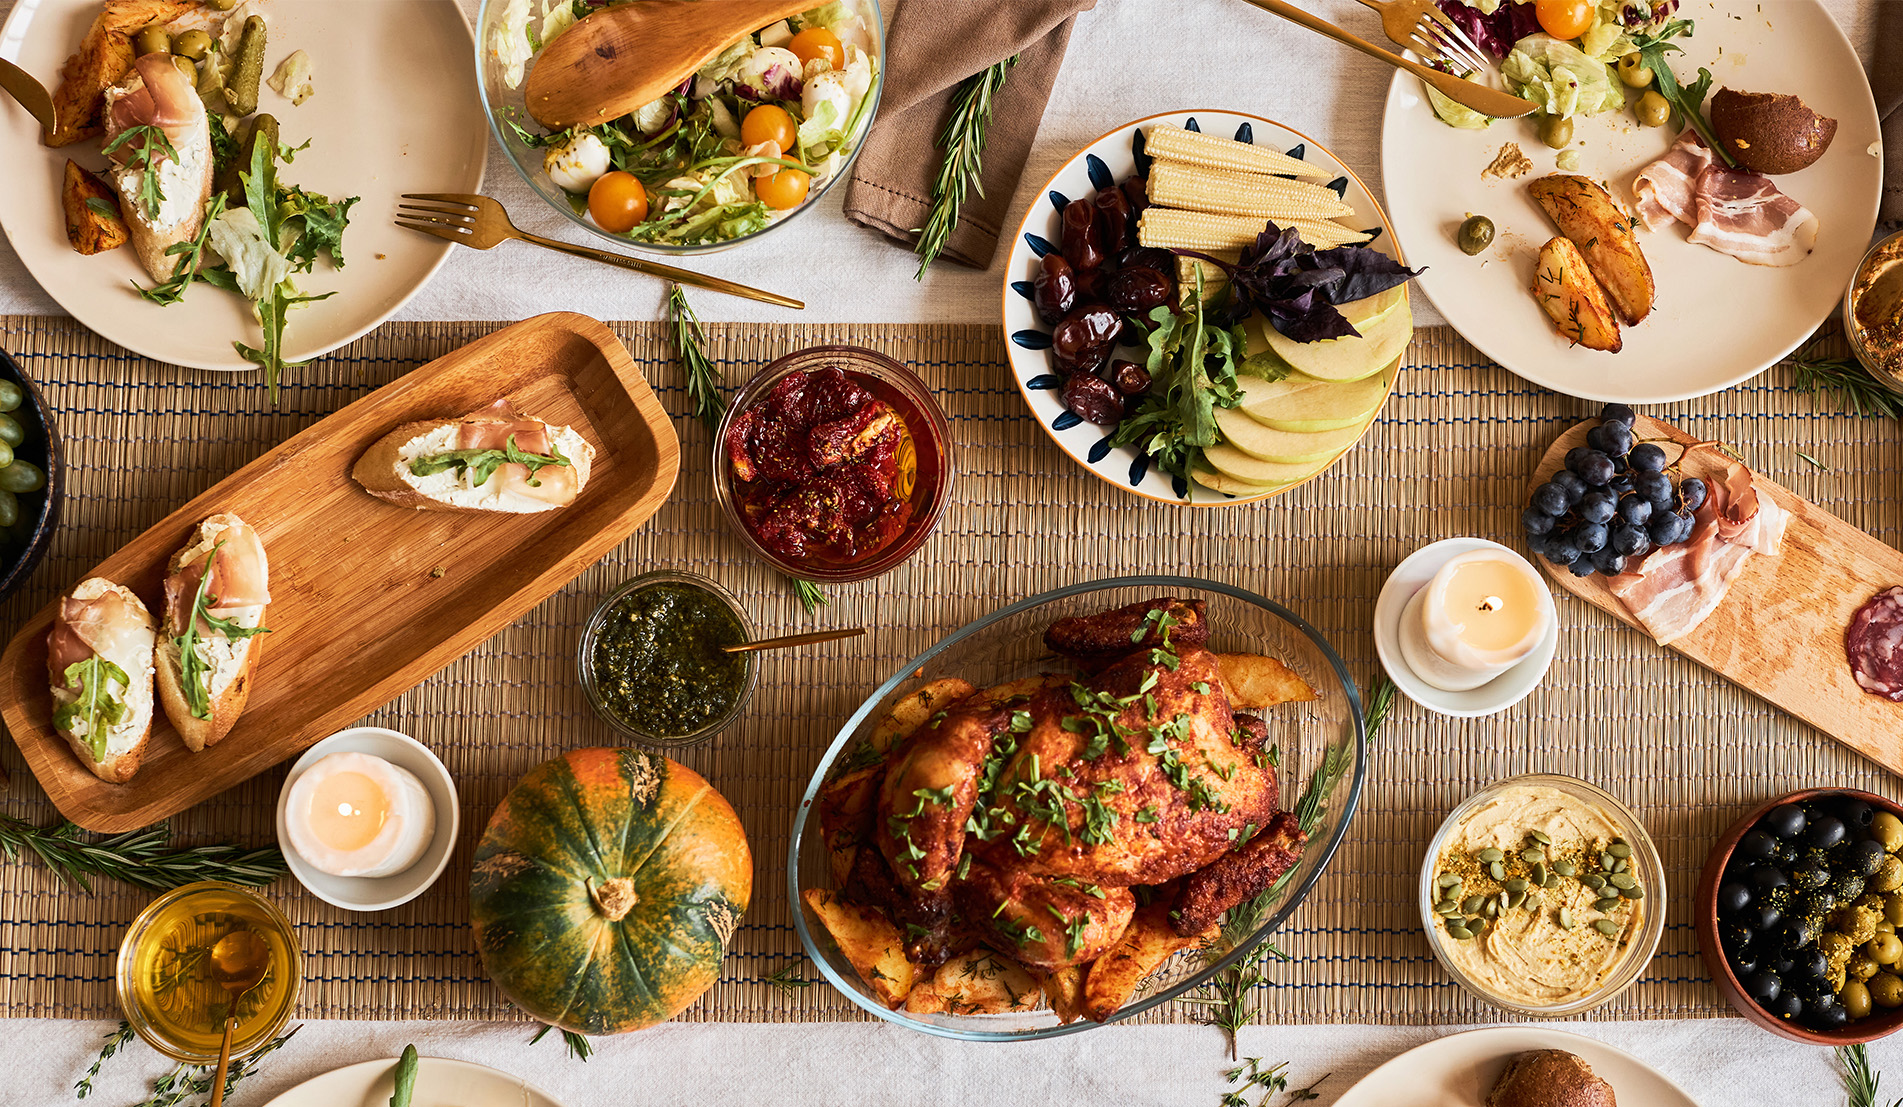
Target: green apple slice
(1304, 405)
(1289, 447)
(1372, 309)
(1233, 463)
(1220, 482)
(1348, 359)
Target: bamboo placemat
(1448, 456)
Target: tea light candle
(1480, 615)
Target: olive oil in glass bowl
(166, 982)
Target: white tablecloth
(1128, 58)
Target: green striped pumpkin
(605, 890)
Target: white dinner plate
(1112, 158)
(439, 1083)
(395, 111)
(1717, 321)
(1458, 1070)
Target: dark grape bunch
(1612, 504)
(1808, 910)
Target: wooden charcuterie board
(369, 599)
(1780, 631)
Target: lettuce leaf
(1560, 78)
(1454, 114)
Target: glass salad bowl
(507, 112)
(1009, 644)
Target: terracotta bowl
(1879, 1024)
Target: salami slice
(1874, 642)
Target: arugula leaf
(1688, 101)
(480, 465)
(1192, 368)
(193, 670)
(151, 142)
(96, 706)
(224, 148)
(318, 224)
(261, 195)
(101, 208)
(185, 269)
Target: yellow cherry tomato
(818, 42)
(1565, 19)
(769, 123)
(785, 189)
(617, 202)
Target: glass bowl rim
(142, 922)
(876, 93)
(915, 390)
(1883, 375)
(1651, 931)
(1297, 895)
(592, 625)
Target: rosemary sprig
(1860, 1079)
(963, 141)
(578, 1045)
(787, 981)
(114, 1040)
(811, 595)
(702, 379)
(142, 858)
(179, 1085)
(1847, 384)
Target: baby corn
(1174, 184)
(1213, 152)
(1170, 229)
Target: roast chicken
(1033, 818)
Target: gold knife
(1479, 97)
(30, 93)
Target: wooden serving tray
(369, 599)
(1780, 631)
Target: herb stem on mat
(700, 376)
(963, 141)
(142, 858)
(1846, 383)
(787, 980)
(176, 1087)
(811, 595)
(114, 1039)
(578, 1045)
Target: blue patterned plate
(1104, 162)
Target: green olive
(222, 5)
(1861, 968)
(1476, 234)
(1886, 989)
(1634, 72)
(152, 40)
(22, 476)
(188, 67)
(1556, 131)
(1893, 907)
(11, 396)
(1887, 829)
(1856, 998)
(193, 44)
(11, 432)
(1884, 949)
(1653, 110)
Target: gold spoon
(238, 963)
(795, 640)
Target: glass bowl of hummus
(1542, 894)
(1873, 312)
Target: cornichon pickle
(241, 92)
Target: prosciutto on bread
(215, 594)
(99, 663)
(1734, 212)
(493, 461)
(159, 141)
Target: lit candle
(1483, 612)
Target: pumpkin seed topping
(1606, 927)
(1531, 856)
(1565, 868)
(1540, 837)
(1593, 881)
(1490, 855)
(1497, 870)
(1472, 903)
(1623, 880)
(1619, 849)
(1566, 918)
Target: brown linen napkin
(931, 46)
(1886, 80)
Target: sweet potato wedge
(1586, 214)
(95, 227)
(1114, 976)
(976, 983)
(870, 942)
(1253, 681)
(1572, 298)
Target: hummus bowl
(1543, 895)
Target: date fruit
(1137, 289)
(1093, 399)
(1083, 237)
(1131, 379)
(1054, 292)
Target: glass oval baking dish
(591, 630)
(1008, 644)
(1643, 861)
(929, 434)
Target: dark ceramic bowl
(1878, 1024)
(27, 540)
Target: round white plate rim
(376, 740)
(1529, 1038)
(1399, 86)
(129, 336)
(1014, 263)
(510, 1091)
(1409, 577)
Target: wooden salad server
(622, 58)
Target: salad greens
(96, 706)
(1561, 78)
(1688, 101)
(480, 465)
(148, 145)
(1192, 367)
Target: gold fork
(481, 222)
(1421, 26)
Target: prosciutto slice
(1736, 213)
(160, 97)
(1674, 589)
(492, 429)
(109, 624)
(1666, 187)
(240, 575)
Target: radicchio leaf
(1496, 33)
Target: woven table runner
(1449, 455)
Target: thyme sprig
(114, 1039)
(179, 1085)
(1860, 1079)
(963, 141)
(1847, 384)
(142, 858)
(578, 1045)
(701, 377)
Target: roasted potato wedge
(870, 941)
(1063, 990)
(976, 983)
(1022, 689)
(845, 816)
(92, 228)
(1253, 681)
(1113, 977)
(103, 58)
(912, 712)
(1572, 299)
(1586, 214)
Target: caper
(152, 40)
(1886, 989)
(1887, 829)
(1556, 131)
(11, 396)
(193, 44)
(1855, 996)
(1633, 71)
(1475, 235)
(1653, 110)
(22, 476)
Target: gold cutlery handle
(656, 269)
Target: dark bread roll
(1550, 1078)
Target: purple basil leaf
(1310, 318)
(1365, 272)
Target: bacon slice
(492, 428)
(1744, 215)
(1666, 187)
(240, 575)
(107, 625)
(1678, 587)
